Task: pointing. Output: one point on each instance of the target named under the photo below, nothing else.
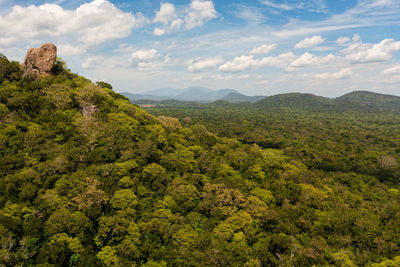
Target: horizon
(323, 47)
(238, 91)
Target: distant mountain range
(357, 100)
(197, 94)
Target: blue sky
(259, 47)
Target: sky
(258, 47)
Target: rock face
(89, 110)
(40, 61)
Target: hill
(237, 97)
(89, 179)
(195, 94)
(295, 100)
(369, 100)
(357, 100)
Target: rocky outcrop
(39, 61)
(89, 110)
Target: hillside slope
(357, 100)
(88, 179)
(369, 100)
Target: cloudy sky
(259, 47)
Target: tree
(104, 85)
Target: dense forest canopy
(88, 179)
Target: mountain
(295, 100)
(368, 100)
(166, 92)
(357, 100)
(235, 97)
(137, 97)
(203, 94)
(196, 94)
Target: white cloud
(309, 5)
(342, 74)
(219, 77)
(263, 49)
(159, 31)
(366, 53)
(197, 78)
(70, 50)
(281, 60)
(252, 15)
(143, 57)
(202, 64)
(356, 38)
(8, 41)
(392, 70)
(308, 59)
(92, 62)
(283, 6)
(241, 63)
(165, 14)
(92, 23)
(342, 40)
(195, 15)
(308, 42)
(243, 76)
(199, 13)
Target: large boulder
(40, 61)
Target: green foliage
(120, 187)
(104, 85)
(59, 67)
(10, 71)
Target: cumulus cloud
(309, 42)
(342, 40)
(220, 77)
(70, 50)
(90, 24)
(195, 15)
(199, 13)
(366, 53)
(356, 38)
(281, 60)
(392, 70)
(263, 49)
(92, 62)
(175, 25)
(165, 14)
(241, 63)
(307, 60)
(8, 41)
(342, 74)
(202, 64)
(248, 62)
(143, 57)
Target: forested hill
(296, 100)
(354, 101)
(88, 179)
(357, 100)
(365, 99)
